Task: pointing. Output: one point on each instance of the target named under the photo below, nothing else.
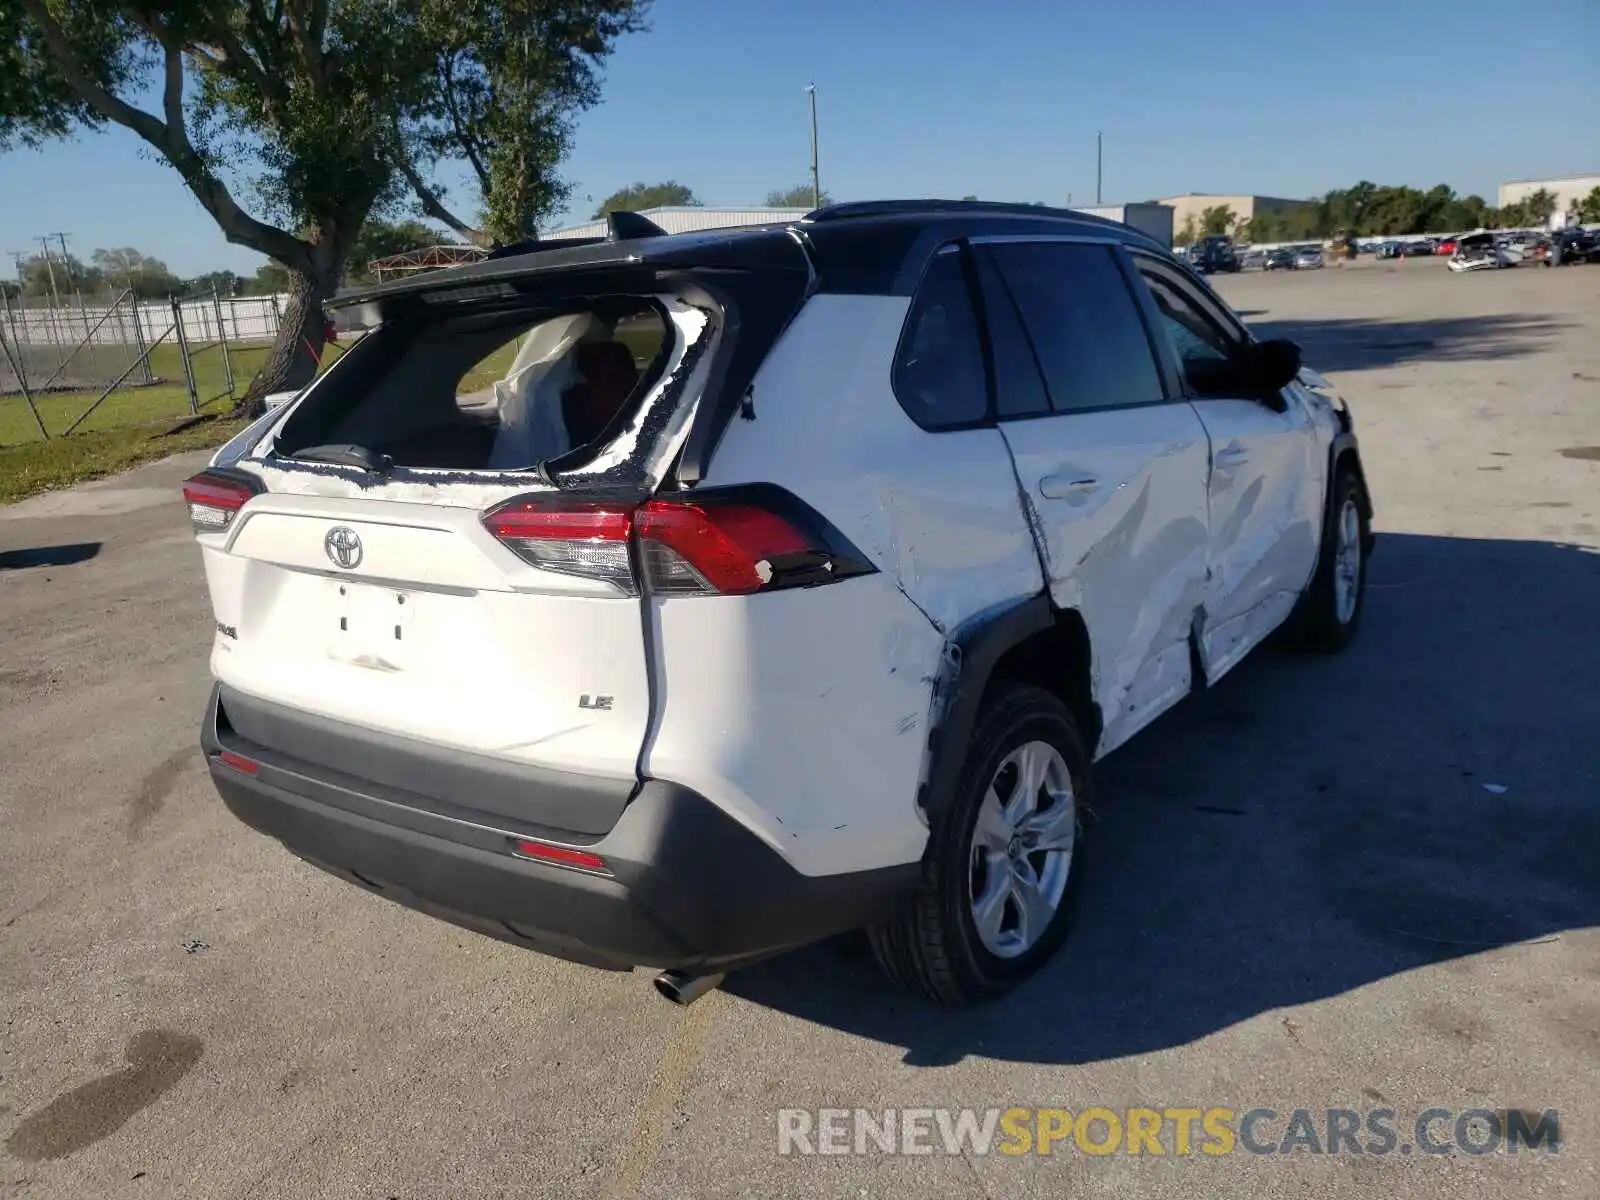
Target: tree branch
(171, 139)
(310, 48)
(434, 207)
(469, 144)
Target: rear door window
(1018, 386)
(1084, 324)
(938, 372)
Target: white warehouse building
(1568, 190)
(689, 220)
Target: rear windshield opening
(487, 390)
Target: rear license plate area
(367, 625)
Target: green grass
(140, 404)
(138, 423)
(40, 466)
(134, 424)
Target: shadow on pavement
(1359, 344)
(1309, 826)
(48, 556)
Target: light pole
(1099, 157)
(816, 179)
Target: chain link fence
(93, 346)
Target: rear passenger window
(938, 371)
(1018, 386)
(1084, 324)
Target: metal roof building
(688, 220)
(1568, 190)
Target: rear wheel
(1001, 874)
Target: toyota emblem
(343, 547)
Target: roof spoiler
(621, 226)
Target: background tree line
(293, 123)
(1375, 210)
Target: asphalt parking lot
(1361, 882)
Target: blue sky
(1001, 100)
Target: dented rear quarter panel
(858, 664)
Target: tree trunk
(298, 351)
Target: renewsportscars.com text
(1173, 1132)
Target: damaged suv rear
(673, 601)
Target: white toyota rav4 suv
(671, 601)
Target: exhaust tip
(684, 988)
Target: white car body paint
(937, 511)
(803, 714)
(827, 768)
(439, 633)
(1121, 503)
(1265, 521)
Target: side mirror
(1274, 365)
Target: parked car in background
(1214, 254)
(1252, 259)
(534, 666)
(1308, 258)
(1445, 246)
(1280, 259)
(1419, 247)
(1482, 252)
(1566, 247)
(1390, 249)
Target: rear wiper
(347, 455)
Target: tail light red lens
(729, 549)
(732, 542)
(215, 499)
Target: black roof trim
(952, 208)
(890, 229)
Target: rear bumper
(685, 886)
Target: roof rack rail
(889, 208)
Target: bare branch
(300, 25)
(434, 207)
(469, 143)
(171, 139)
(234, 57)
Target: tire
(934, 946)
(1329, 613)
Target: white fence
(103, 323)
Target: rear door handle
(1230, 457)
(1067, 485)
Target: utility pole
(816, 179)
(77, 296)
(55, 300)
(1099, 159)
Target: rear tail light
(584, 539)
(731, 542)
(214, 498)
